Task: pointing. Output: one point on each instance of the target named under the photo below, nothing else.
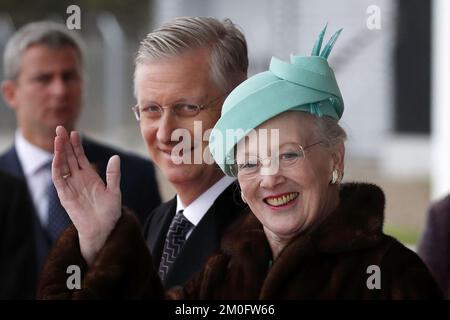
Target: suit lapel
(155, 230)
(10, 163)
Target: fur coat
(346, 257)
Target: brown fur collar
(109, 276)
(356, 223)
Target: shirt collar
(31, 158)
(198, 208)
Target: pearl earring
(335, 177)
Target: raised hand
(93, 207)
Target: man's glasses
(288, 156)
(181, 110)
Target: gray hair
(329, 130)
(229, 60)
(49, 34)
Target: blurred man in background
(43, 85)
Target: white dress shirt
(198, 208)
(33, 161)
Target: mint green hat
(306, 84)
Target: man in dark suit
(203, 241)
(17, 258)
(43, 85)
(183, 72)
(202, 59)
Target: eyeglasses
(181, 110)
(286, 157)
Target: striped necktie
(58, 219)
(175, 239)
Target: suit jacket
(138, 185)
(203, 241)
(17, 258)
(434, 246)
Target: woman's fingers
(60, 151)
(56, 163)
(83, 162)
(70, 155)
(59, 166)
(113, 174)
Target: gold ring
(65, 176)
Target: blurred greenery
(407, 236)
(133, 15)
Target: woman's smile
(282, 201)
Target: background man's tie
(58, 220)
(175, 239)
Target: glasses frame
(235, 168)
(200, 107)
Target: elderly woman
(307, 235)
